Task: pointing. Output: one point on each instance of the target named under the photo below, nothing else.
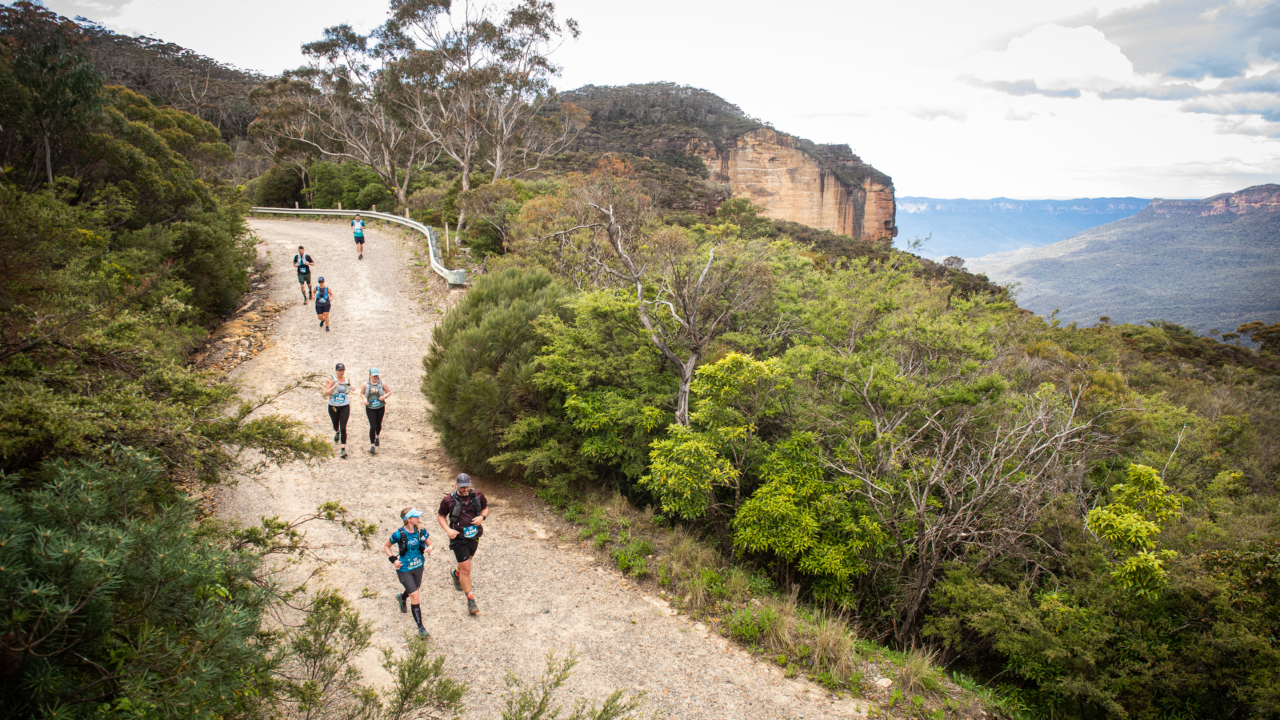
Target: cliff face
(833, 191)
(1259, 198)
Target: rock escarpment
(723, 151)
(822, 186)
(1256, 199)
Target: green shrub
(751, 624)
(117, 599)
(630, 558)
(479, 366)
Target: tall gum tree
(338, 106)
(476, 84)
(690, 288)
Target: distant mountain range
(972, 228)
(1205, 264)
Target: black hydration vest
(404, 541)
(456, 511)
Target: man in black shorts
(461, 514)
(302, 262)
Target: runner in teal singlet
(338, 391)
(374, 392)
(324, 296)
(357, 225)
(404, 549)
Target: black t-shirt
(468, 511)
(301, 263)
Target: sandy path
(538, 591)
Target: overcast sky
(973, 99)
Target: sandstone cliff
(1259, 198)
(821, 186)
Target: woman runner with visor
(404, 549)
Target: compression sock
(417, 614)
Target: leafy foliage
(479, 367)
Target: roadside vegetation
(121, 243)
(1081, 518)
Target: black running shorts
(322, 309)
(411, 580)
(464, 549)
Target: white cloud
(1058, 58)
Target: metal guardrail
(453, 277)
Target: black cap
(464, 480)
(339, 366)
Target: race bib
(470, 531)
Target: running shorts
(411, 580)
(322, 309)
(464, 549)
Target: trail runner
(461, 514)
(357, 225)
(374, 392)
(404, 550)
(324, 298)
(302, 262)
(338, 390)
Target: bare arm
(444, 524)
(364, 398)
(390, 553)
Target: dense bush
(1086, 514)
(479, 367)
(116, 602)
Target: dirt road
(538, 590)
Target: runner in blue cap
(409, 542)
(374, 392)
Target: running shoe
(400, 599)
(321, 323)
(422, 633)
(337, 435)
(360, 258)
(378, 441)
(457, 585)
(326, 328)
(472, 607)
(373, 450)
(343, 454)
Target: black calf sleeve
(417, 614)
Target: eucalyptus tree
(337, 105)
(690, 287)
(476, 81)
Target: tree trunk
(686, 380)
(466, 185)
(48, 160)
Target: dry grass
(833, 644)
(737, 584)
(917, 674)
(782, 635)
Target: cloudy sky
(974, 99)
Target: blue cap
(464, 480)
(413, 512)
(373, 371)
(321, 279)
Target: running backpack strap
(403, 541)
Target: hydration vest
(404, 541)
(456, 511)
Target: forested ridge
(886, 454)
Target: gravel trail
(538, 589)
